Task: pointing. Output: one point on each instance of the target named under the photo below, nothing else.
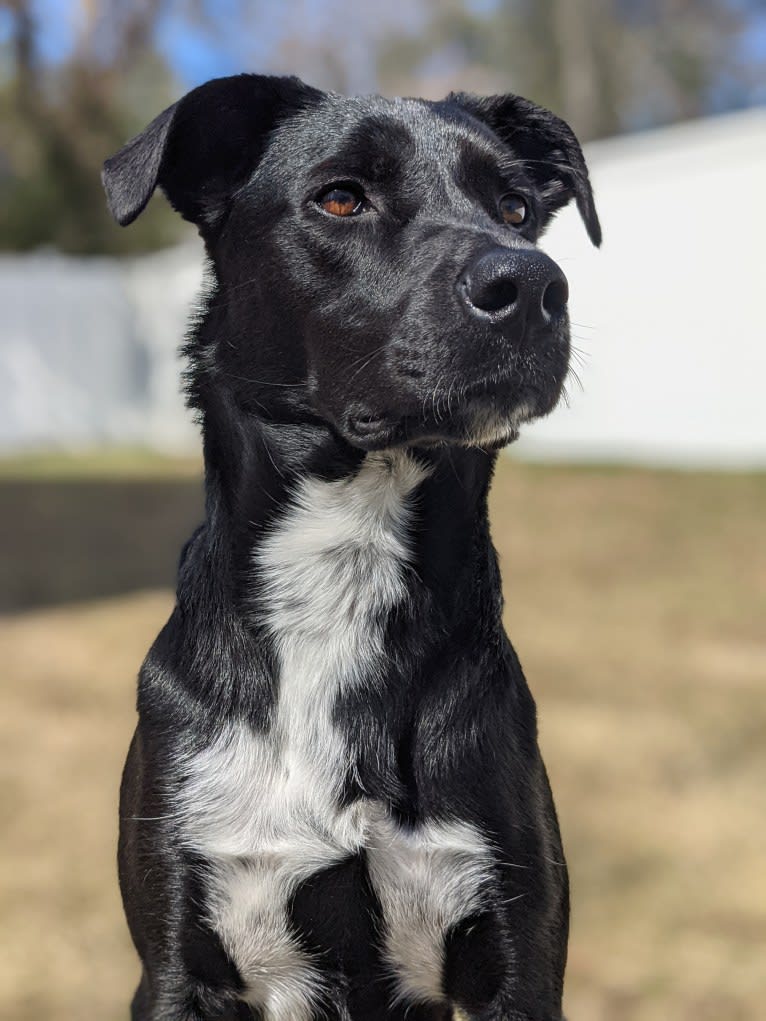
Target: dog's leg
(186, 975)
(140, 1006)
(505, 1012)
(503, 965)
(193, 1004)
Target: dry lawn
(637, 602)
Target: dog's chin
(482, 423)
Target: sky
(199, 52)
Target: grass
(636, 600)
(114, 463)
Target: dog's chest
(264, 808)
(266, 823)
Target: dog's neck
(417, 575)
(254, 480)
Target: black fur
(322, 338)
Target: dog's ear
(203, 147)
(546, 144)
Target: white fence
(668, 316)
(88, 350)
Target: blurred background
(630, 523)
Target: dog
(334, 805)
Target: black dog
(334, 805)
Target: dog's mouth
(486, 413)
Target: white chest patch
(262, 808)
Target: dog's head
(375, 260)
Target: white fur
(262, 807)
(490, 427)
(264, 830)
(335, 564)
(427, 879)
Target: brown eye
(341, 201)
(513, 209)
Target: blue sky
(197, 53)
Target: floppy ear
(201, 148)
(546, 144)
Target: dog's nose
(507, 282)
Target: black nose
(506, 282)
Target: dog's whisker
(147, 818)
(371, 357)
(579, 358)
(275, 466)
(266, 382)
(435, 400)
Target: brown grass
(636, 601)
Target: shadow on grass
(63, 540)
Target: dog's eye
(341, 200)
(513, 209)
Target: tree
(605, 65)
(63, 121)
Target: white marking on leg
(427, 879)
